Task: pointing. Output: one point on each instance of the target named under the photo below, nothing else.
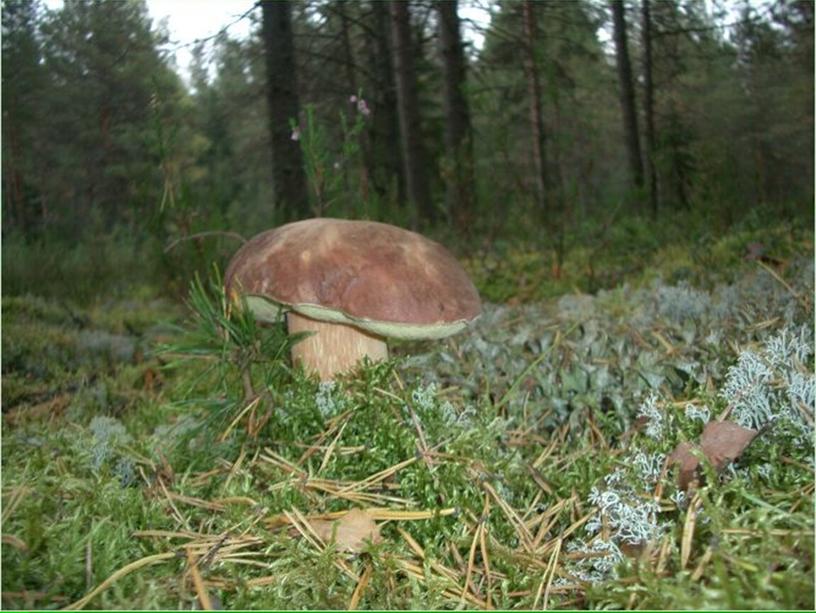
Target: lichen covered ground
(151, 459)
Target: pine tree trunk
(413, 153)
(288, 176)
(627, 95)
(458, 135)
(534, 95)
(345, 39)
(648, 107)
(385, 124)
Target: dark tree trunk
(345, 38)
(413, 153)
(385, 125)
(534, 94)
(458, 135)
(288, 176)
(648, 107)
(627, 95)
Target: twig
(787, 286)
(198, 583)
(125, 570)
(234, 235)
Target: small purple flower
(296, 133)
(353, 99)
(362, 107)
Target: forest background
(630, 186)
(580, 131)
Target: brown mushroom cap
(371, 275)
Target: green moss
(138, 442)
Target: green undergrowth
(519, 464)
(682, 247)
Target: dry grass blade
(14, 541)
(167, 534)
(330, 450)
(417, 573)
(361, 586)
(801, 299)
(688, 530)
(275, 459)
(663, 556)
(485, 559)
(415, 547)
(420, 552)
(302, 525)
(525, 538)
(198, 583)
(250, 405)
(196, 502)
(547, 520)
(125, 570)
(16, 496)
(471, 559)
(179, 517)
(704, 559)
(377, 477)
(333, 425)
(553, 566)
(234, 468)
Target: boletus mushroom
(352, 284)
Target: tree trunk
(534, 94)
(385, 124)
(648, 107)
(413, 153)
(345, 38)
(627, 95)
(458, 134)
(288, 176)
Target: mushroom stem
(332, 348)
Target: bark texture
(414, 158)
(648, 106)
(627, 94)
(537, 131)
(458, 172)
(288, 175)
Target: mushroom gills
(332, 348)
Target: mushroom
(352, 284)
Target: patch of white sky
(188, 21)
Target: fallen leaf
(351, 532)
(722, 442)
(684, 456)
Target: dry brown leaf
(722, 442)
(684, 456)
(351, 532)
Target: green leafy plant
(329, 170)
(237, 360)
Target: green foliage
(228, 351)
(133, 428)
(554, 386)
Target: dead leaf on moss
(351, 532)
(722, 442)
(684, 456)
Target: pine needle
(122, 572)
(361, 586)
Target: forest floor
(522, 464)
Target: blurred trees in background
(407, 122)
